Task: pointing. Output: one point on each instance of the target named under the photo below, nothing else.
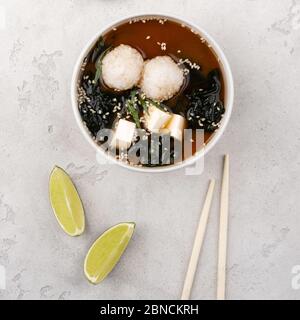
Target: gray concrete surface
(40, 41)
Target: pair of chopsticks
(223, 230)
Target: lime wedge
(106, 251)
(65, 202)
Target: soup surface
(201, 96)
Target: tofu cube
(156, 119)
(124, 134)
(176, 126)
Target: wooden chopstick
(223, 230)
(189, 279)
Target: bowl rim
(228, 81)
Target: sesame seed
(163, 46)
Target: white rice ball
(122, 67)
(162, 78)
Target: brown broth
(181, 43)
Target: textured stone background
(40, 41)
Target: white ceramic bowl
(228, 103)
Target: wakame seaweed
(95, 107)
(206, 109)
